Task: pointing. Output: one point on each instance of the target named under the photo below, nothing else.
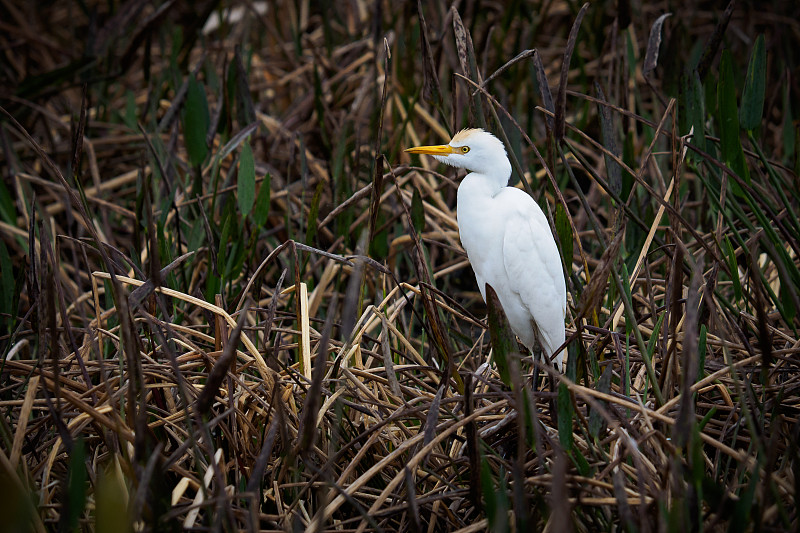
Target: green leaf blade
(196, 122)
(417, 211)
(754, 87)
(246, 183)
(76, 485)
(261, 210)
(730, 142)
(564, 230)
(695, 110)
(565, 435)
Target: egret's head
(474, 149)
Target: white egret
(508, 240)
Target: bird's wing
(532, 261)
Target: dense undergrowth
(228, 300)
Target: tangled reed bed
(314, 354)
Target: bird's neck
(489, 182)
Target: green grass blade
(75, 500)
(565, 414)
(111, 501)
(596, 421)
(261, 208)
(754, 87)
(417, 211)
(488, 490)
(728, 111)
(730, 255)
(696, 110)
(246, 181)
(564, 230)
(196, 121)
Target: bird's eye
(464, 149)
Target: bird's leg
(536, 355)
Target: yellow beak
(442, 149)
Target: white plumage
(508, 240)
